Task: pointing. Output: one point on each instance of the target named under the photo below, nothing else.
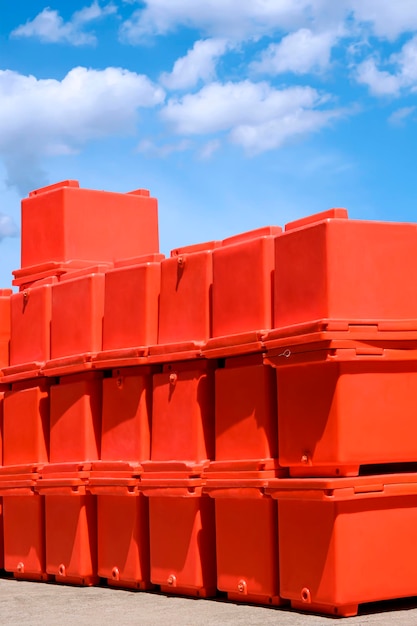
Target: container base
(256, 599)
(141, 585)
(345, 610)
(206, 592)
(79, 581)
(35, 576)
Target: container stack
(344, 349)
(245, 419)
(239, 417)
(52, 425)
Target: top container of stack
(330, 267)
(64, 225)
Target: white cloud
(403, 76)
(300, 52)
(232, 19)
(209, 149)
(406, 60)
(45, 117)
(272, 134)
(147, 146)
(380, 82)
(400, 115)
(248, 19)
(49, 27)
(387, 18)
(198, 64)
(256, 116)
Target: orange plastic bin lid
(18, 479)
(176, 351)
(114, 478)
(244, 469)
(287, 354)
(172, 478)
(316, 218)
(47, 270)
(327, 329)
(23, 372)
(339, 489)
(206, 246)
(139, 261)
(230, 345)
(121, 357)
(257, 233)
(63, 478)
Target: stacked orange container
(53, 412)
(181, 518)
(130, 325)
(345, 352)
(246, 443)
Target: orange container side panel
(126, 415)
(77, 315)
(131, 306)
(243, 276)
(2, 393)
(1, 536)
(247, 549)
(185, 301)
(336, 555)
(71, 538)
(336, 416)
(123, 540)
(320, 275)
(182, 545)
(24, 536)
(31, 311)
(5, 326)
(75, 406)
(183, 412)
(26, 423)
(66, 223)
(246, 421)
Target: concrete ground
(41, 604)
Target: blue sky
(236, 114)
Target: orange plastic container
(318, 273)
(346, 541)
(131, 303)
(122, 526)
(70, 524)
(75, 423)
(183, 412)
(24, 536)
(31, 310)
(243, 272)
(26, 423)
(185, 301)
(126, 414)
(63, 223)
(246, 543)
(246, 421)
(343, 406)
(23, 523)
(182, 536)
(77, 313)
(5, 329)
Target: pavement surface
(47, 604)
